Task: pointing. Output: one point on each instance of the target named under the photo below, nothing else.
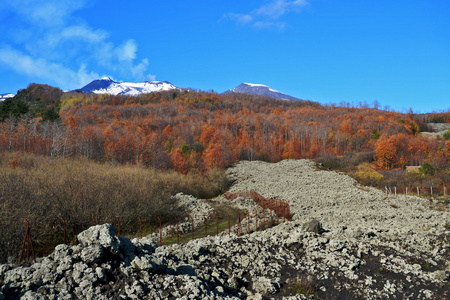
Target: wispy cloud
(265, 25)
(46, 13)
(268, 15)
(239, 18)
(44, 69)
(127, 51)
(276, 9)
(64, 49)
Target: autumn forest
(195, 131)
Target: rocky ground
(345, 241)
(437, 129)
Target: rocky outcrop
(437, 129)
(344, 242)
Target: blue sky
(331, 51)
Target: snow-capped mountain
(260, 89)
(106, 85)
(6, 96)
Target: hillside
(222, 129)
(195, 131)
(372, 246)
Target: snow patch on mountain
(106, 85)
(261, 85)
(6, 96)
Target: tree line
(198, 131)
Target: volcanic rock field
(344, 241)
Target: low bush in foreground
(43, 190)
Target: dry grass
(301, 285)
(43, 190)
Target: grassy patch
(301, 285)
(211, 226)
(220, 225)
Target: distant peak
(107, 78)
(254, 84)
(260, 89)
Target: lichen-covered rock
(264, 285)
(147, 263)
(102, 235)
(92, 254)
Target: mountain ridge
(260, 89)
(106, 85)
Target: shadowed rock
(313, 226)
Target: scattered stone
(313, 226)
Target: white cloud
(84, 33)
(278, 8)
(150, 77)
(21, 62)
(264, 16)
(63, 49)
(43, 69)
(48, 13)
(240, 18)
(127, 51)
(85, 76)
(138, 70)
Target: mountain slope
(260, 89)
(106, 85)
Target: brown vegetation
(43, 190)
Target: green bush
(427, 169)
(50, 115)
(447, 135)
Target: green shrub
(427, 169)
(447, 135)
